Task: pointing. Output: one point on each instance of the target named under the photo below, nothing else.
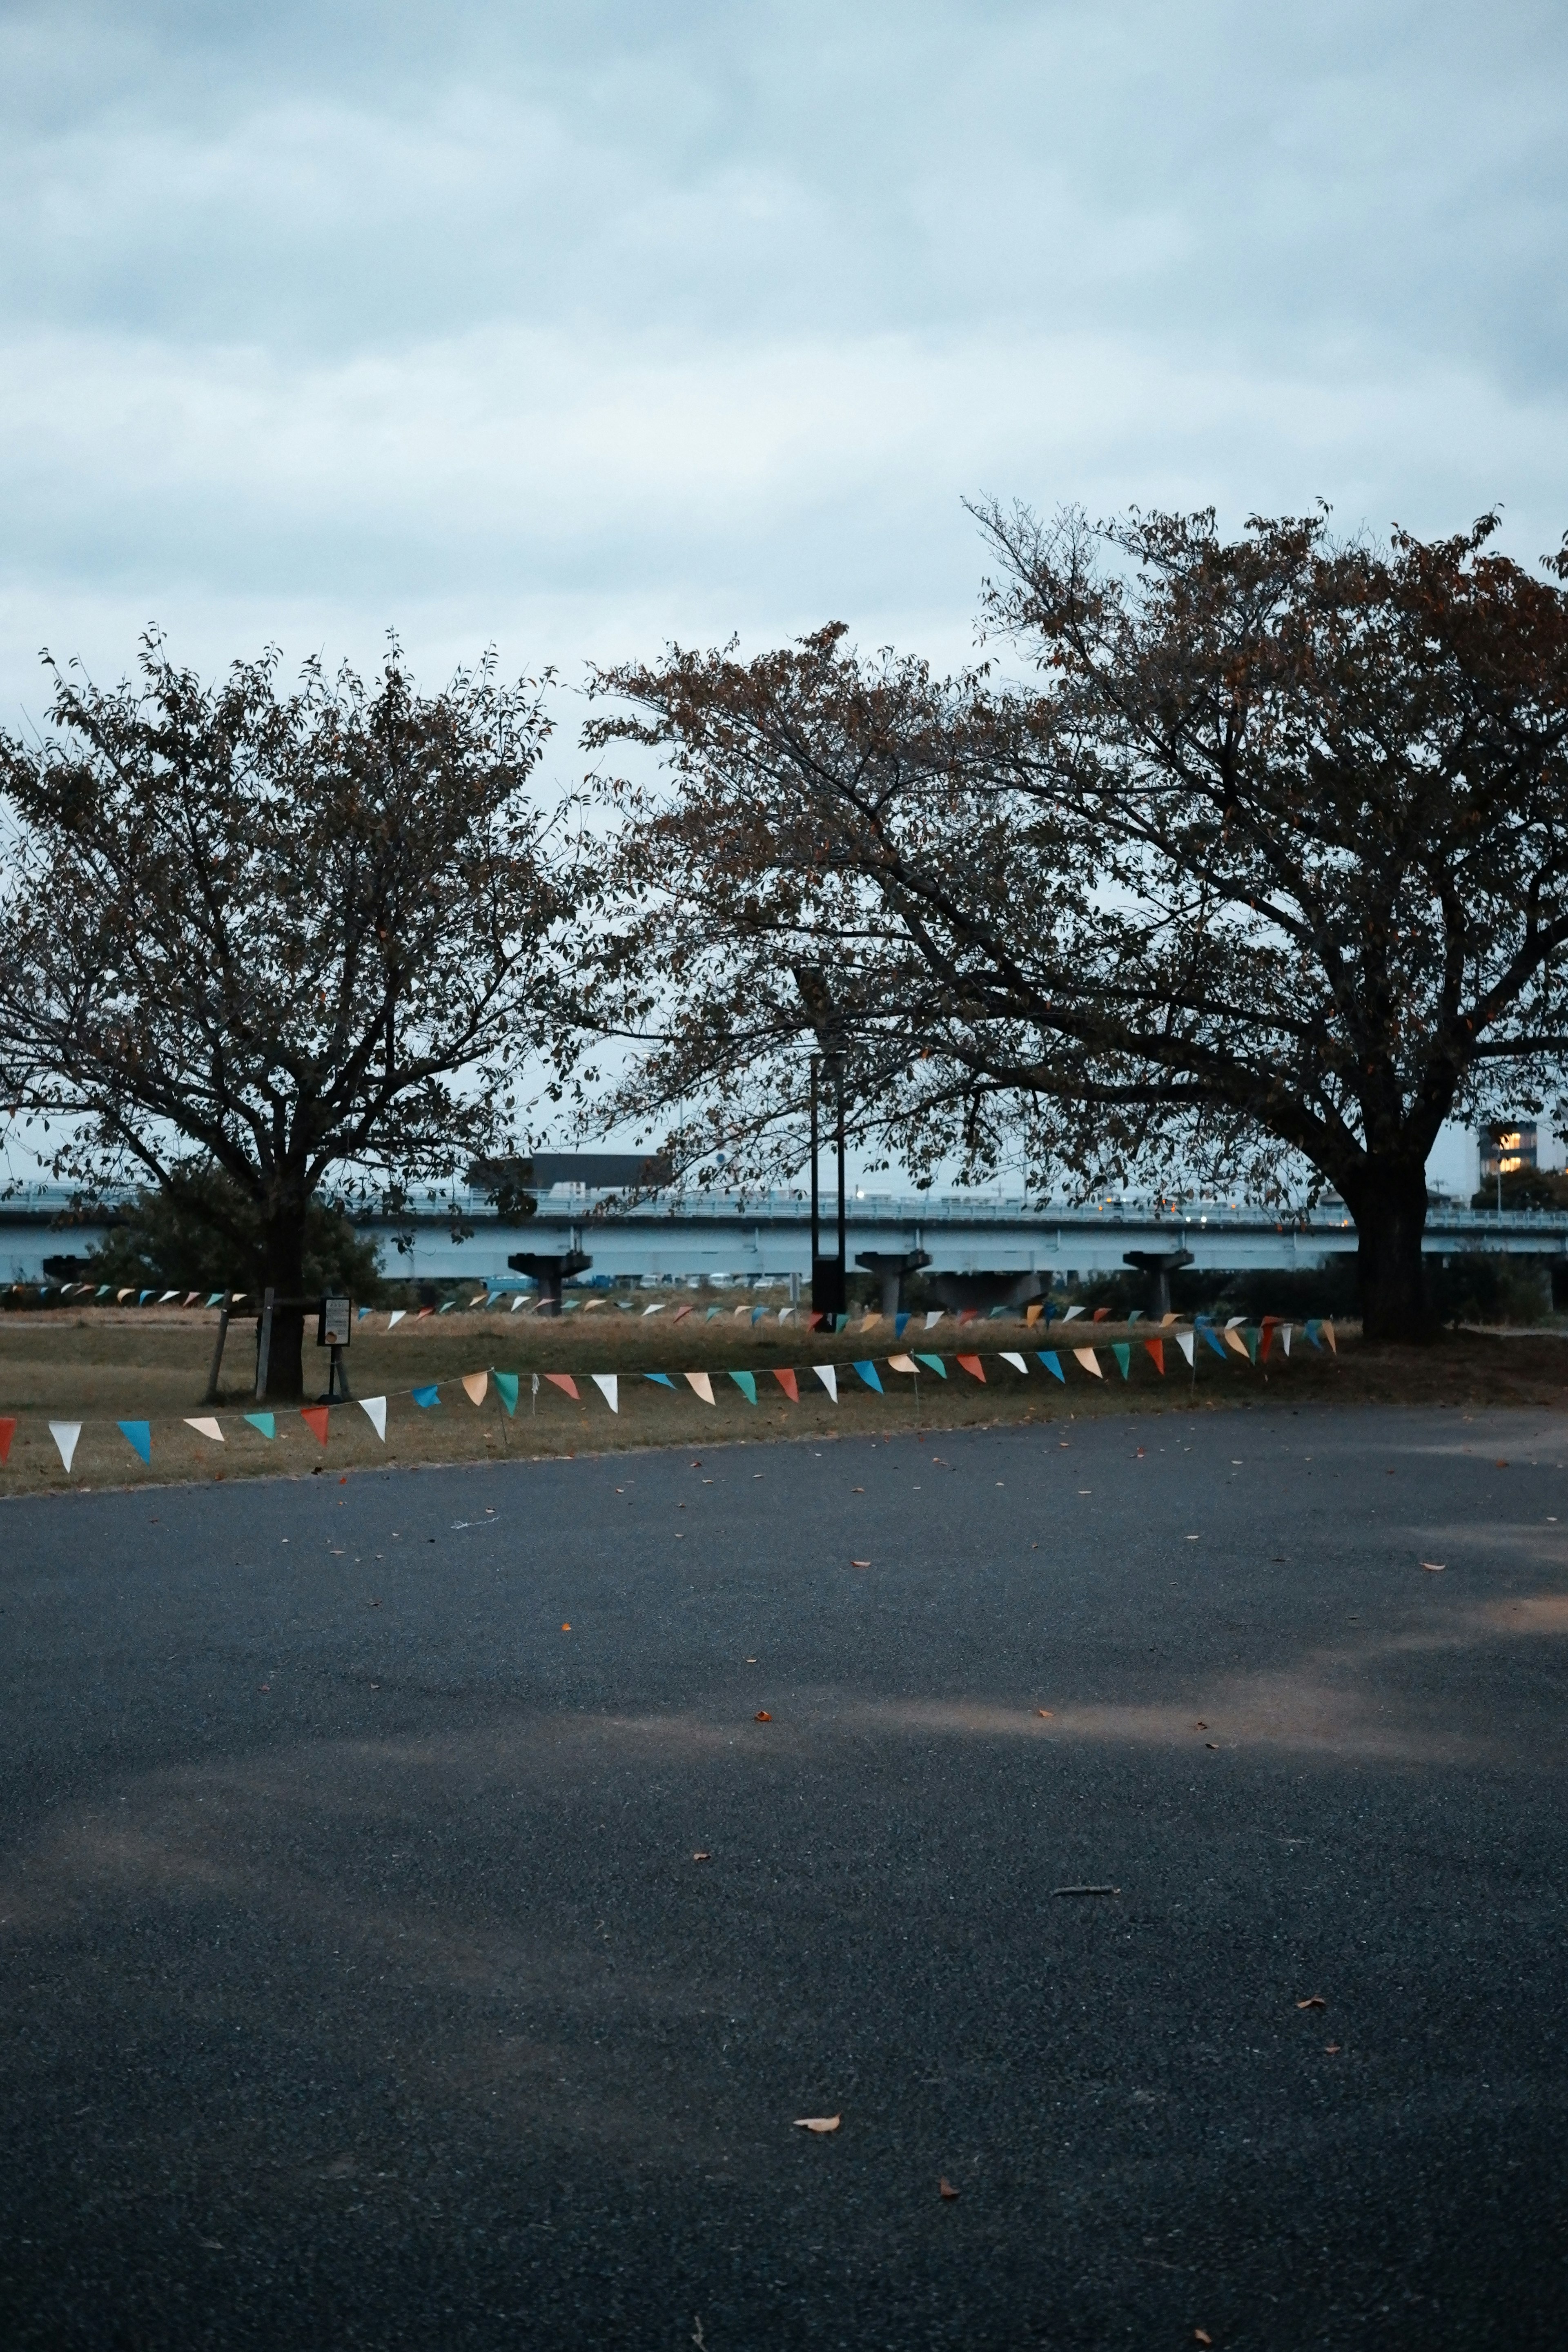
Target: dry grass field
(99, 1367)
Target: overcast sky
(581, 326)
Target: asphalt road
(361, 1986)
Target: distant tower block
(1160, 1266)
(549, 1270)
(891, 1266)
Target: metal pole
(815, 1206)
(211, 1396)
(264, 1344)
(843, 1241)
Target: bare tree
(1266, 864)
(281, 936)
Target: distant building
(1510, 1150)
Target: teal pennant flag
(937, 1367)
(264, 1422)
(747, 1384)
(1121, 1350)
(506, 1389)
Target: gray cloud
(577, 328)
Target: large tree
(297, 938)
(1259, 865)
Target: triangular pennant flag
(166, 1297)
(703, 1385)
(757, 1315)
(473, 1386)
(1071, 1313)
(192, 1297)
(1122, 1351)
(375, 1412)
(1285, 1331)
(712, 1312)
(1329, 1336)
(1310, 1330)
(969, 1315)
(1217, 1344)
(396, 1317)
(506, 1389)
(1100, 1314)
(138, 1435)
(657, 1308)
(747, 1384)
(446, 1306)
(8, 1432)
(660, 1379)
(868, 1371)
(218, 1295)
(119, 1297)
(869, 1320)
(1089, 1361)
(1166, 1320)
(786, 1381)
(933, 1316)
(813, 1319)
(264, 1422)
(828, 1376)
(1156, 1348)
(1053, 1364)
(205, 1426)
(1249, 1333)
(681, 1313)
(1233, 1322)
(316, 1419)
(1184, 1341)
(565, 1383)
(974, 1367)
(841, 1322)
(425, 1397)
(519, 1302)
(901, 1325)
(904, 1364)
(609, 1387)
(1234, 1340)
(937, 1366)
(1268, 1337)
(1009, 1357)
(478, 1299)
(1136, 1316)
(1033, 1312)
(143, 1296)
(65, 1435)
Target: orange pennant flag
(971, 1364)
(316, 1417)
(1034, 1312)
(564, 1380)
(1157, 1349)
(787, 1381)
(473, 1386)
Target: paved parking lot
(362, 1985)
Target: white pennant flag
(520, 1301)
(609, 1387)
(1071, 1313)
(205, 1427)
(934, 1316)
(1009, 1357)
(65, 1435)
(1285, 1331)
(375, 1412)
(1184, 1341)
(829, 1379)
(394, 1319)
(656, 1309)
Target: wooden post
(211, 1396)
(263, 1345)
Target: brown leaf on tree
(817, 2123)
(946, 2189)
(1314, 2000)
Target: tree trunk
(285, 1257)
(1389, 1205)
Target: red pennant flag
(812, 1322)
(564, 1380)
(316, 1417)
(786, 1382)
(8, 1432)
(1157, 1349)
(1269, 1322)
(1100, 1314)
(971, 1364)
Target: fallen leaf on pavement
(702, 1857)
(1202, 2335)
(859, 1563)
(1499, 1465)
(762, 1716)
(1314, 2000)
(1043, 1710)
(1332, 2049)
(946, 2189)
(1202, 1726)
(1434, 1567)
(817, 2123)
(1214, 1744)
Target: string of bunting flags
(1253, 1343)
